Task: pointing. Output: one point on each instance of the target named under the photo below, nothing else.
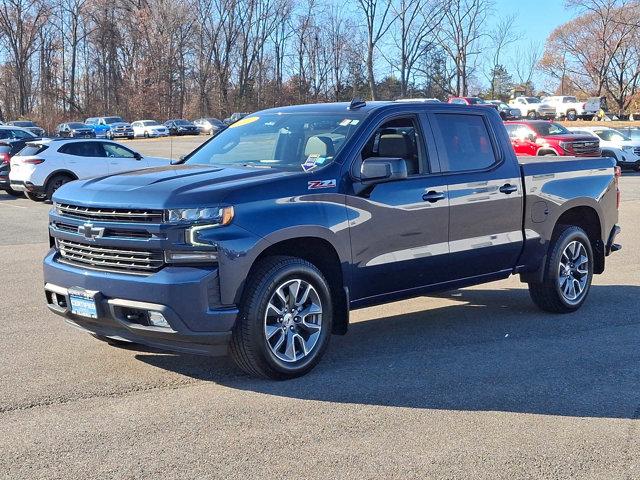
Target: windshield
(570, 100)
(182, 122)
(77, 125)
(612, 135)
(149, 123)
(24, 124)
(295, 141)
(532, 100)
(544, 129)
(110, 120)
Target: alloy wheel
(573, 272)
(293, 320)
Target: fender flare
(63, 171)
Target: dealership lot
(475, 383)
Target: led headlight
(187, 256)
(213, 216)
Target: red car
(540, 137)
(476, 101)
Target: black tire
(249, 346)
(146, 134)
(36, 197)
(549, 295)
(532, 115)
(12, 192)
(572, 116)
(55, 183)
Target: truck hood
(172, 186)
(119, 124)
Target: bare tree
(501, 37)
(462, 29)
(378, 21)
(417, 21)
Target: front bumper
(186, 296)
(122, 134)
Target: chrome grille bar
(111, 258)
(110, 214)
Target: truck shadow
(490, 351)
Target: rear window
(465, 142)
(31, 150)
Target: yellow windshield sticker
(244, 121)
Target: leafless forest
(69, 59)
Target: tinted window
(398, 138)
(533, 100)
(544, 129)
(19, 134)
(182, 122)
(77, 125)
(464, 142)
(113, 150)
(110, 120)
(83, 149)
(32, 149)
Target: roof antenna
(357, 103)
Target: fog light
(156, 319)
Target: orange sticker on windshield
(244, 121)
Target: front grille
(585, 148)
(636, 150)
(110, 214)
(108, 232)
(109, 258)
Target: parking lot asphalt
(471, 384)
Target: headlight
(214, 216)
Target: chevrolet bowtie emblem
(89, 232)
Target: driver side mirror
(137, 156)
(379, 170)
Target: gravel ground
(471, 384)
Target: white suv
(571, 109)
(43, 166)
(615, 144)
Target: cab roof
(366, 107)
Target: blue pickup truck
(260, 242)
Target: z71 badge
(317, 184)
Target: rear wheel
(285, 320)
(12, 192)
(55, 183)
(568, 272)
(36, 197)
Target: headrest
(320, 146)
(393, 145)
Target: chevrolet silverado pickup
(260, 241)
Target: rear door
(485, 194)
(84, 159)
(399, 229)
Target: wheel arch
(587, 218)
(61, 171)
(323, 254)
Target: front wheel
(36, 197)
(572, 116)
(285, 319)
(568, 272)
(55, 183)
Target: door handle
(508, 188)
(432, 196)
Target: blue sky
(536, 18)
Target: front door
(399, 229)
(121, 159)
